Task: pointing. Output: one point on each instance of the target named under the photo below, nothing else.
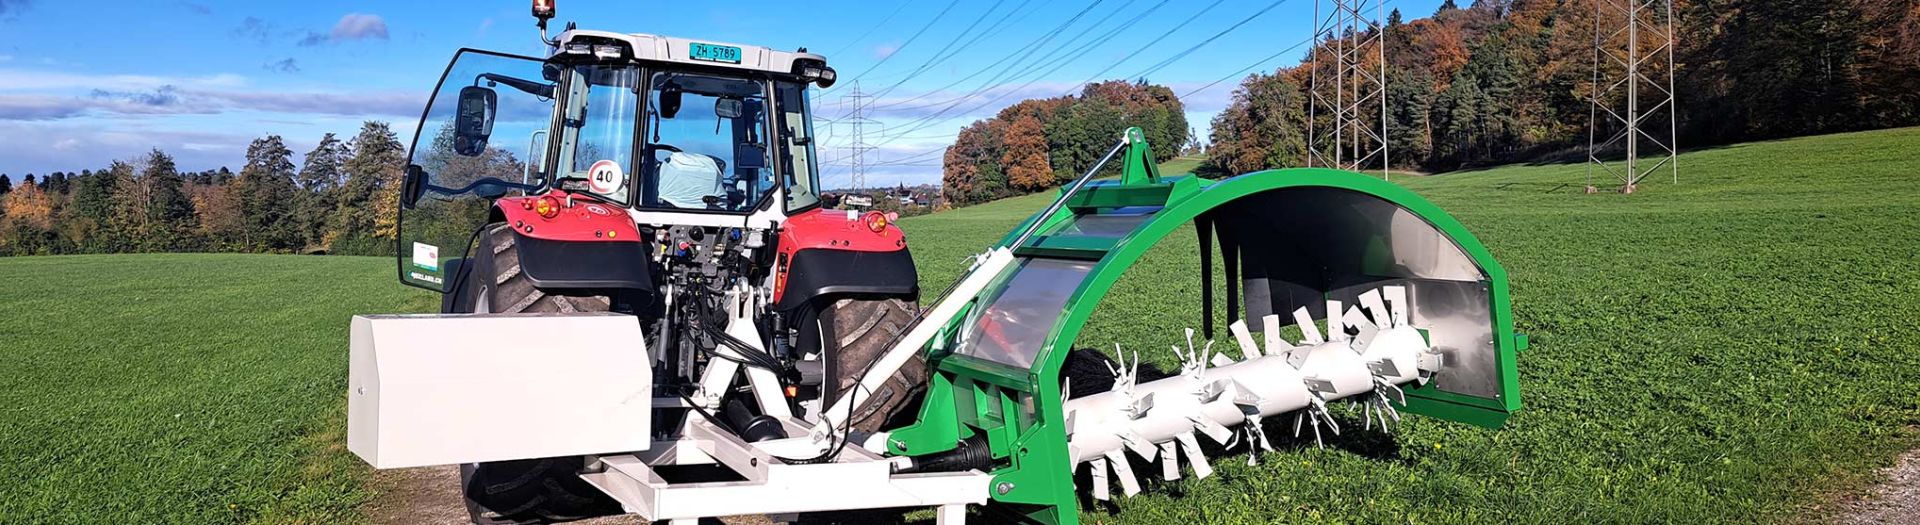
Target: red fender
(581, 219)
(836, 230)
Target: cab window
(796, 152)
(598, 131)
(706, 147)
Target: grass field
(1738, 347)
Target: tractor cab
(667, 130)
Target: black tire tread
(856, 332)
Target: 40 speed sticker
(604, 177)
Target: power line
(876, 27)
(1196, 47)
(1249, 67)
(929, 121)
(910, 40)
(1031, 49)
(1045, 37)
(943, 54)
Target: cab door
(483, 136)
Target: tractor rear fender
(831, 252)
(582, 244)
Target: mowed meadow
(1737, 347)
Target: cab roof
(657, 48)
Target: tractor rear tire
(545, 490)
(855, 333)
(496, 269)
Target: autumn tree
(1024, 153)
(27, 227)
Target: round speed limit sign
(605, 177)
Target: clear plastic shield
(482, 137)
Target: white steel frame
(856, 478)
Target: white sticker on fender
(426, 256)
(605, 177)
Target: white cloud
(354, 26)
(52, 95)
(357, 26)
(43, 147)
(43, 80)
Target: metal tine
(1316, 432)
(1354, 318)
(1270, 324)
(1214, 430)
(1129, 485)
(1201, 469)
(1376, 308)
(1336, 331)
(1397, 304)
(1256, 440)
(1138, 445)
(1170, 460)
(1247, 347)
(1309, 333)
(1100, 483)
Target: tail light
(877, 221)
(546, 206)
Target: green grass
(1733, 348)
(182, 388)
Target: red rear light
(876, 221)
(546, 206)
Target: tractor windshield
(706, 145)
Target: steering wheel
(651, 148)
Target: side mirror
(727, 107)
(473, 120)
(412, 186)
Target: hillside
(1730, 349)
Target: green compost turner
(1399, 309)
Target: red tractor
(670, 179)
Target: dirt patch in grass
(431, 496)
(1896, 500)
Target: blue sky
(82, 83)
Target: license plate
(713, 53)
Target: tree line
(1509, 80)
(1039, 143)
(342, 198)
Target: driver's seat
(685, 180)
